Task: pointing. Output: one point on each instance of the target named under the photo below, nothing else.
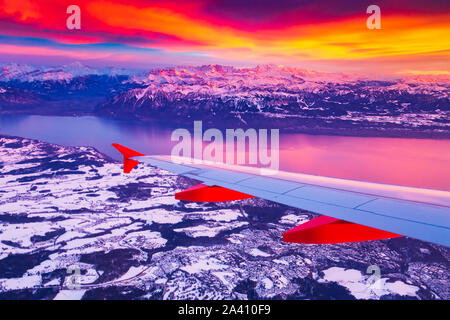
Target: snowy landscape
(64, 209)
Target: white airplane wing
(358, 210)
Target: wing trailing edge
(320, 230)
(324, 229)
(204, 193)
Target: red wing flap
(203, 193)
(326, 229)
(128, 164)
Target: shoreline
(372, 132)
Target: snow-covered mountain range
(289, 98)
(29, 73)
(73, 89)
(269, 95)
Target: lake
(411, 162)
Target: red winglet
(326, 229)
(203, 193)
(128, 164)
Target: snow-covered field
(73, 226)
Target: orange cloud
(178, 28)
(25, 9)
(345, 39)
(166, 21)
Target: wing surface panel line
(362, 204)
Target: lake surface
(412, 162)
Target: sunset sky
(319, 35)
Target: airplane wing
(353, 210)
